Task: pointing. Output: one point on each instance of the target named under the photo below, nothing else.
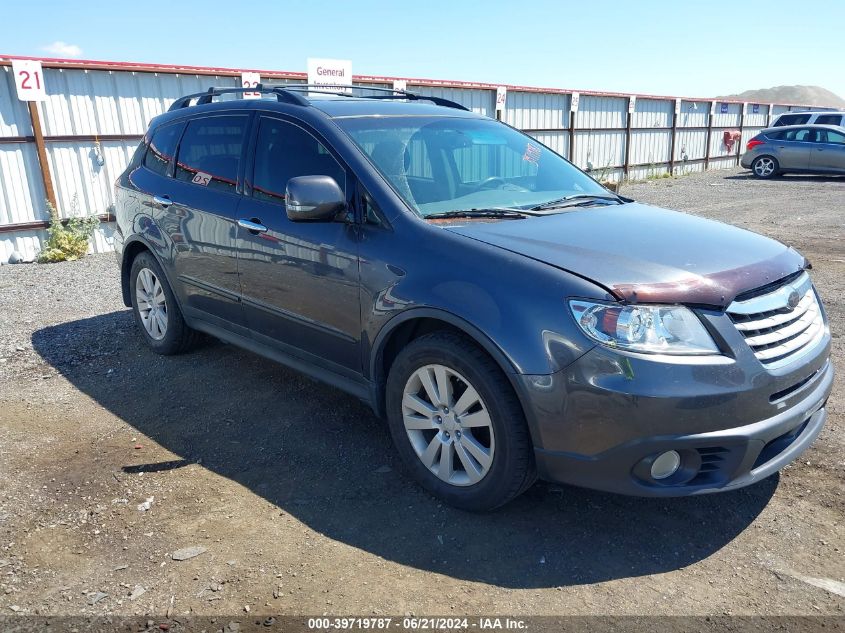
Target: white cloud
(63, 49)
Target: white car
(810, 118)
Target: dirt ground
(293, 493)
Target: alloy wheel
(764, 167)
(152, 303)
(448, 425)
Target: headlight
(643, 328)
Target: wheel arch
(131, 249)
(412, 324)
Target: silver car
(817, 149)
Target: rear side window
(284, 151)
(791, 135)
(829, 119)
(162, 148)
(210, 151)
(792, 119)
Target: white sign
(501, 98)
(29, 80)
(632, 104)
(400, 84)
(573, 102)
(250, 80)
(335, 72)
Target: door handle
(254, 225)
(162, 201)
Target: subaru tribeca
(508, 316)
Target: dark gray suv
(507, 315)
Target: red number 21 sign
(29, 80)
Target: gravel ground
(113, 460)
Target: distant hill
(800, 95)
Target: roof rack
(208, 95)
(291, 94)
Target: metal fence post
(571, 156)
(675, 109)
(629, 117)
(41, 149)
(709, 133)
(741, 128)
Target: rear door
(828, 151)
(202, 199)
(299, 279)
(792, 148)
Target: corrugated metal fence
(97, 112)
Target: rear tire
(765, 167)
(155, 309)
(464, 438)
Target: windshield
(441, 164)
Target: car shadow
(321, 456)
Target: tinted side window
(284, 151)
(162, 148)
(793, 119)
(829, 136)
(829, 119)
(210, 151)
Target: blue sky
(644, 46)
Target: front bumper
(600, 423)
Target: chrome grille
(776, 332)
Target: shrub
(67, 241)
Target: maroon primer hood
(646, 254)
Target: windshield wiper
(572, 201)
(478, 213)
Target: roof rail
(391, 93)
(291, 94)
(206, 97)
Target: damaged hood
(645, 254)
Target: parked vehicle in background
(810, 149)
(810, 118)
(510, 317)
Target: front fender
(513, 306)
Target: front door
(828, 151)
(299, 280)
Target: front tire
(457, 424)
(156, 312)
(765, 167)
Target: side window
(829, 119)
(795, 135)
(803, 135)
(284, 151)
(162, 148)
(792, 119)
(829, 136)
(210, 151)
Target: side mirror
(314, 198)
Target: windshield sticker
(532, 153)
(201, 178)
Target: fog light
(665, 465)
